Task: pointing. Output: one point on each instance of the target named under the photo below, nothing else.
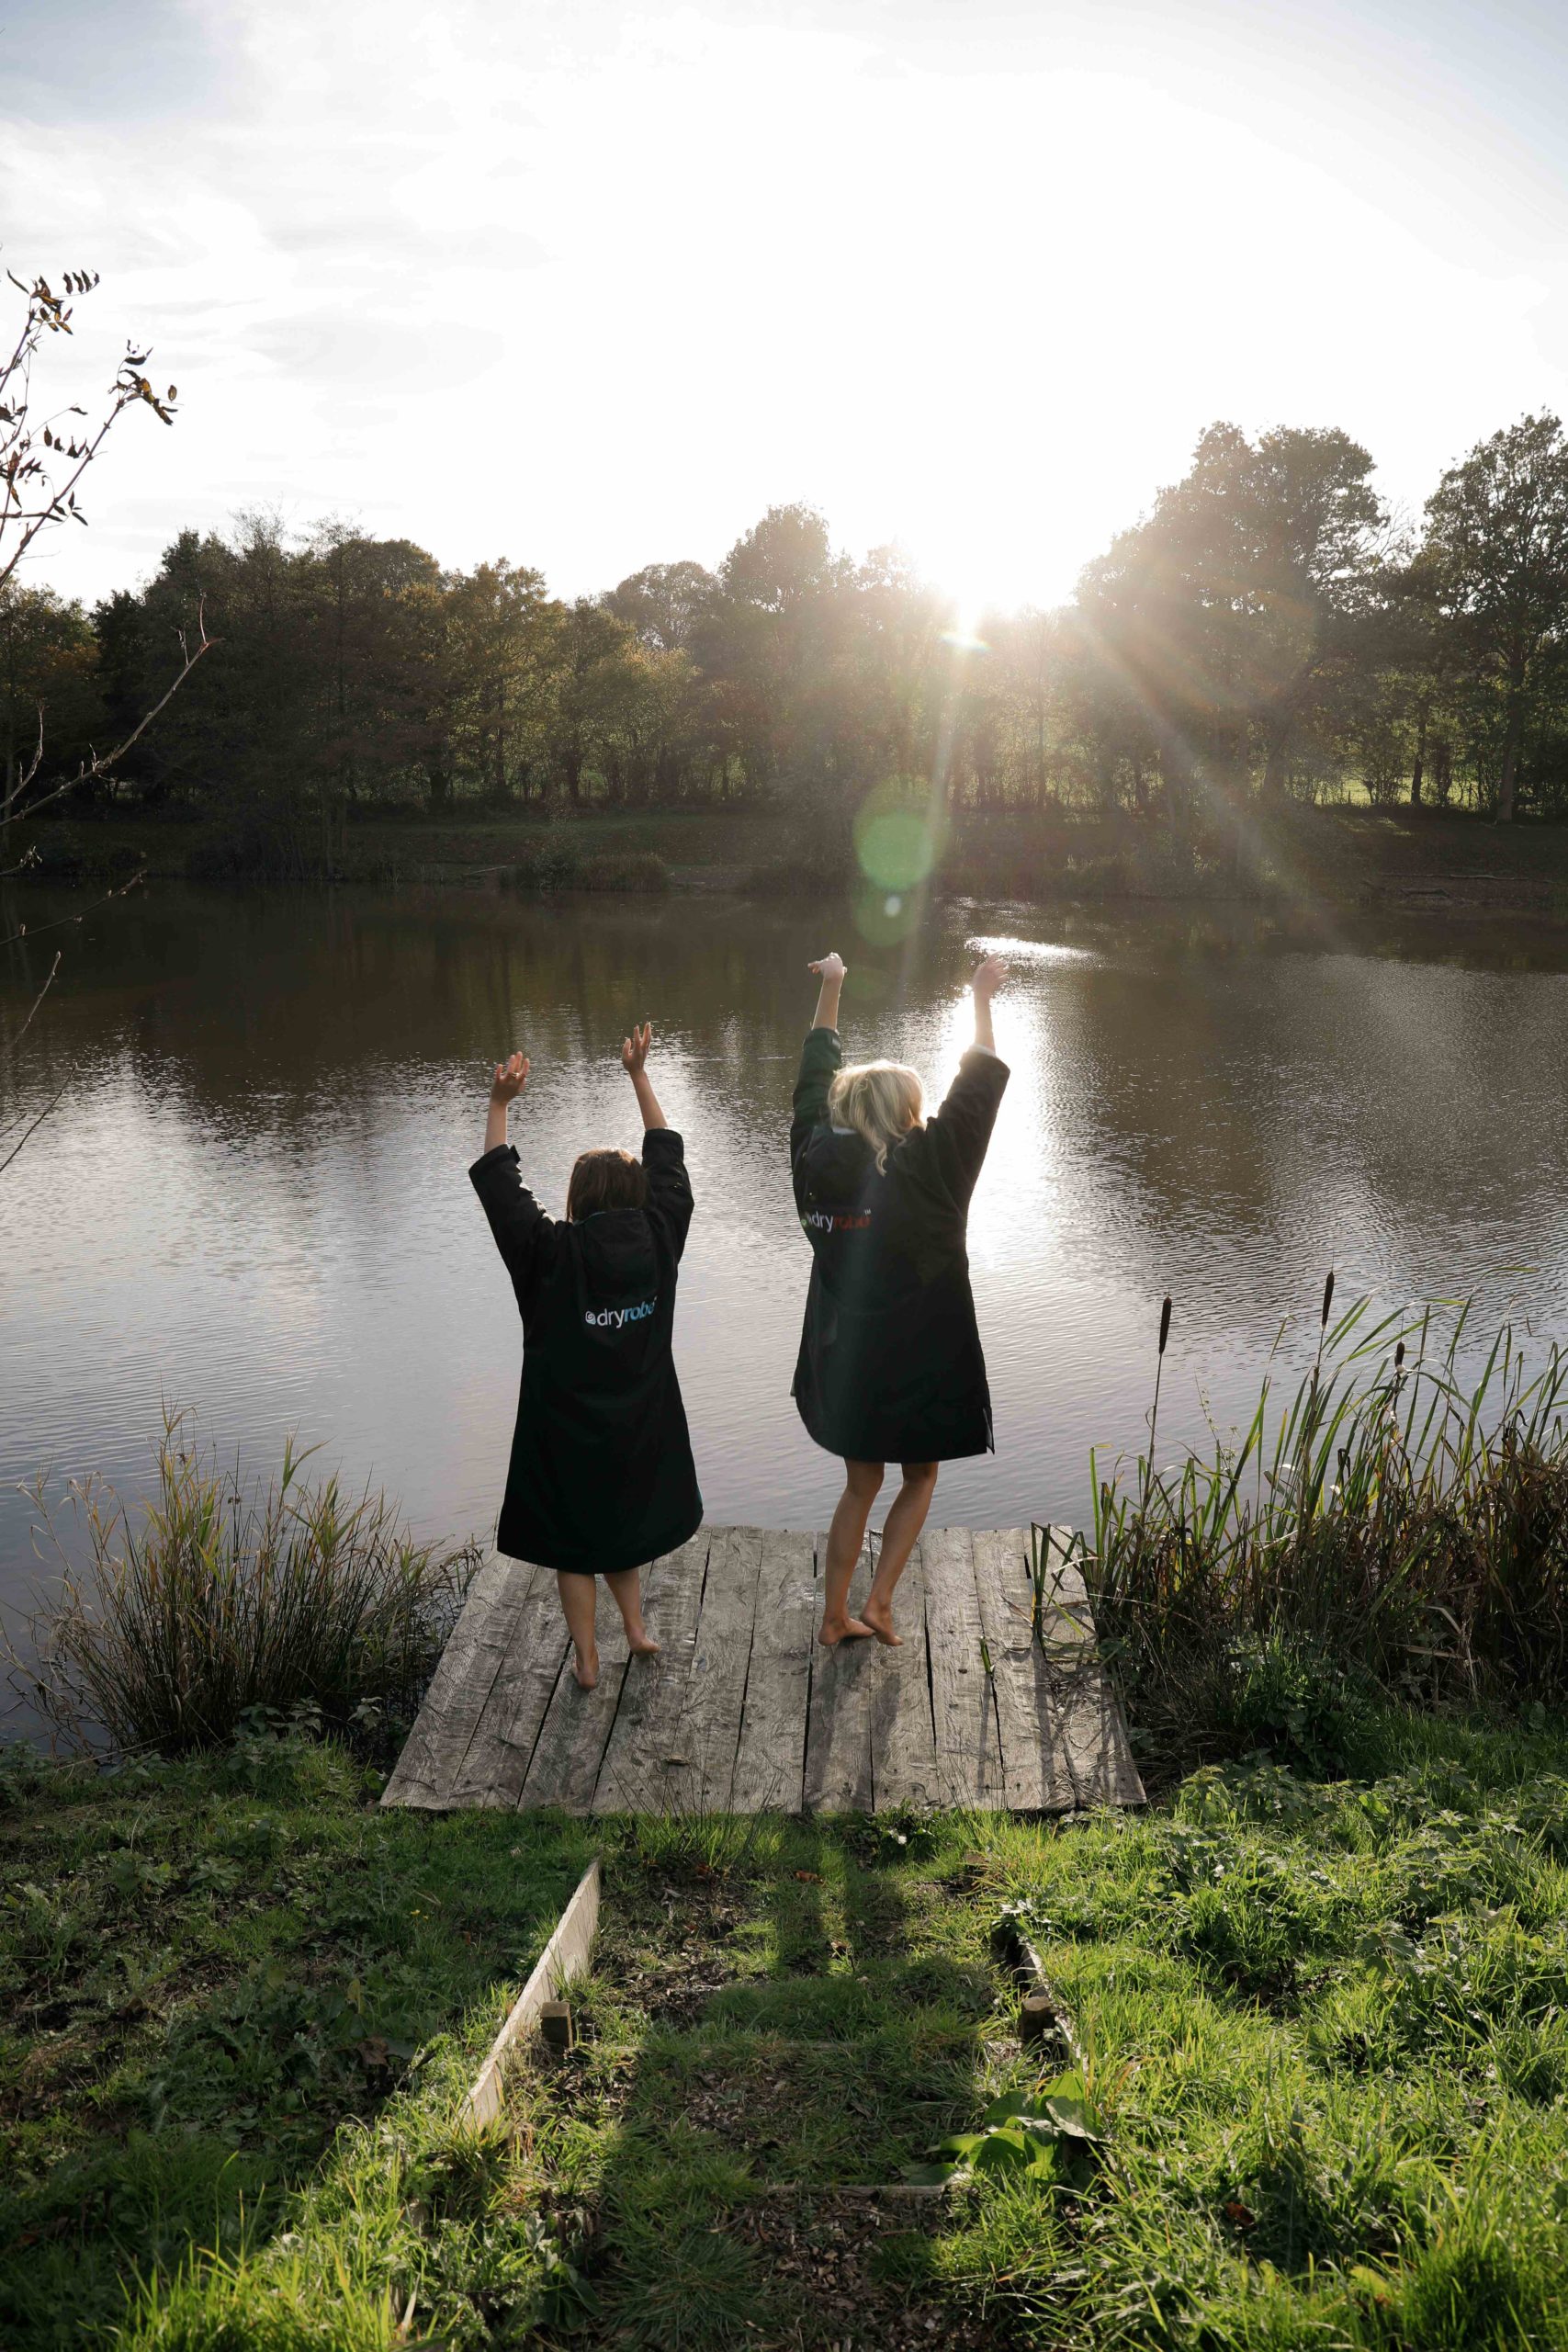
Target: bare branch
(101, 763)
(32, 1131)
(66, 923)
(40, 997)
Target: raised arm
(831, 970)
(987, 979)
(634, 1056)
(820, 1059)
(510, 1078)
(957, 1135)
(519, 1225)
(663, 1155)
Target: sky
(592, 286)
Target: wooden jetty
(742, 1711)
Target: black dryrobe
(602, 1477)
(890, 1368)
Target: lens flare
(898, 835)
(885, 918)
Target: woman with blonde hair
(890, 1367)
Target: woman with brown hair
(602, 1479)
(890, 1368)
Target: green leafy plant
(1050, 2134)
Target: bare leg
(905, 1521)
(862, 1484)
(579, 1601)
(625, 1590)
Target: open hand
(828, 968)
(510, 1078)
(634, 1051)
(989, 977)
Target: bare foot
(641, 1643)
(881, 1624)
(585, 1666)
(841, 1629)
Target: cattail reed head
(1399, 1357)
(1164, 1325)
(1327, 1297)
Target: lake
(253, 1200)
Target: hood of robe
(837, 1166)
(618, 1249)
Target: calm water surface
(253, 1199)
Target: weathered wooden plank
(741, 1713)
(565, 1956)
(969, 1763)
(698, 1763)
(460, 1686)
(1036, 1770)
(770, 1762)
(502, 1748)
(1093, 1730)
(564, 1768)
(635, 1773)
(844, 1684)
(903, 1740)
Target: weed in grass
(682, 2287)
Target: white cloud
(594, 290)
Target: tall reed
(1405, 1518)
(233, 1593)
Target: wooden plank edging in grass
(1031, 1969)
(564, 1957)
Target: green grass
(206, 1969)
(1332, 853)
(1326, 2027)
(1324, 2077)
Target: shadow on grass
(832, 2048)
(208, 1968)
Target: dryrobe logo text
(835, 1220)
(616, 1318)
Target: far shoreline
(1342, 857)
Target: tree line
(1267, 633)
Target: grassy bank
(616, 848)
(1311, 2082)
(208, 1970)
(1338, 857)
(1323, 2030)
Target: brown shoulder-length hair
(605, 1179)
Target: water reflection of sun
(1011, 1217)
